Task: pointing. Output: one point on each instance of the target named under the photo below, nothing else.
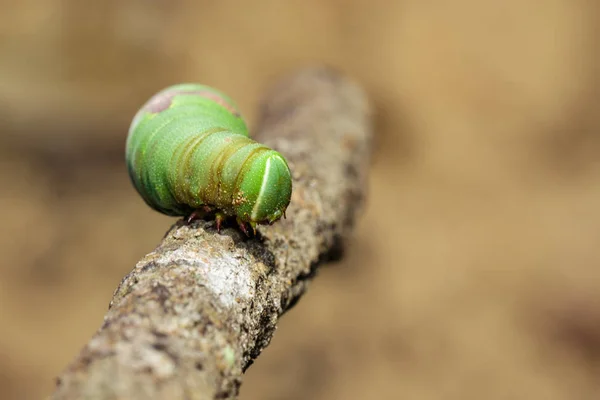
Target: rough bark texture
(195, 313)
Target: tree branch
(195, 313)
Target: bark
(193, 314)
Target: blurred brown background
(474, 272)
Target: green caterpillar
(188, 153)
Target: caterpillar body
(188, 153)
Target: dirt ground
(474, 272)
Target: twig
(195, 313)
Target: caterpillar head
(265, 190)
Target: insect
(188, 153)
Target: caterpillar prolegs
(188, 153)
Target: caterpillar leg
(219, 218)
(242, 225)
(198, 213)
